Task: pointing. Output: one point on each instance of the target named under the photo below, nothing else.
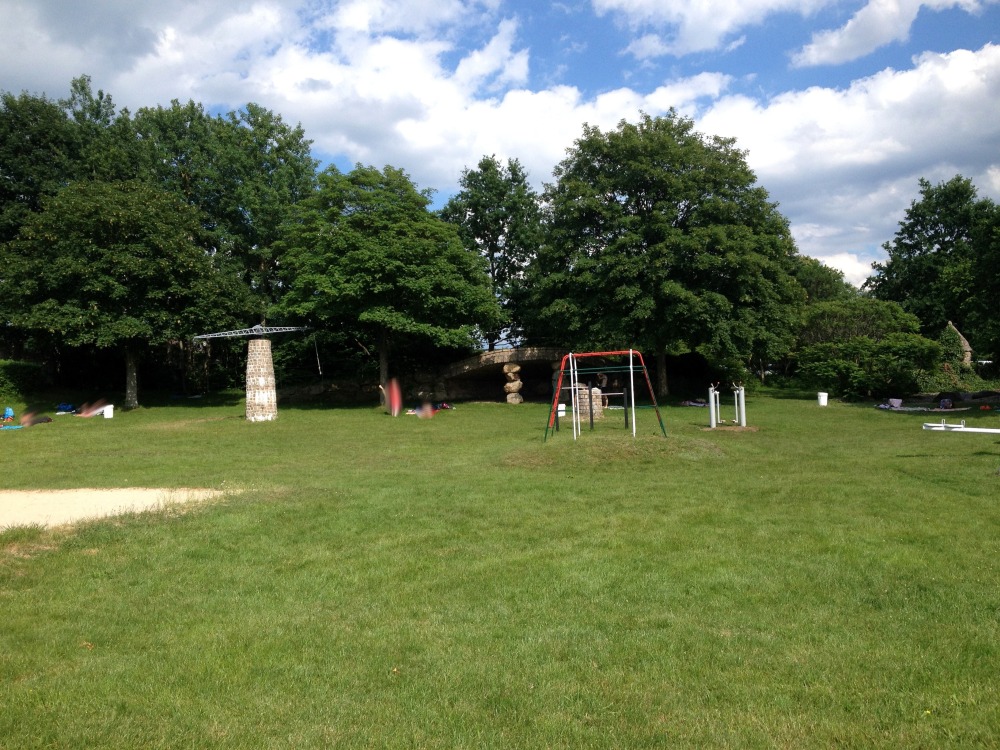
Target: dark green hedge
(18, 378)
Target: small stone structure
(587, 399)
(262, 398)
(473, 376)
(512, 387)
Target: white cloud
(856, 269)
(496, 58)
(418, 17)
(648, 46)
(695, 25)
(844, 164)
(878, 23)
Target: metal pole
(712, 416)
(574, 396)
(590, 401)
(743, 408)
(625, 394)
(631, 385)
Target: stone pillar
(262, 399)
(512, 387)
(585, 397)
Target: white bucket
(823, 398)
(109, 411)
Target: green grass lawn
(831, 579)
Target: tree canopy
(112, 265)
(652, 235)
(365, 252)
(39, 153)
(244, 172)
(820, 282)
(498, 217)
(659, 236)
(936, 258)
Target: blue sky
(841, 105)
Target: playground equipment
(262, 397)
(570, 365)
(945, 427)
(715, 406)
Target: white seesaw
(945, 427)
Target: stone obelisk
(262, 398)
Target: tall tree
(365, 252)
(986, 284)
(180, 154)
(244, 172)
(659, 236)
(265, 168)
(498, 217)
(930, 269)
(109, 148)
(113, 265)
(820, 282)
(39, 151)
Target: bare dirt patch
(59, 507)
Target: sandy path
(57, 507)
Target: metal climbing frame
(570, 365)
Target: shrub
(18, 378)
(862, 367)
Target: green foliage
(659, 236)
(863, 367)
(821, 282)
(264, 168)
(243, 172)
(365, 254)
(951, 346)
(18, 379)
(497, 214)
(986, 285)
(113, 265)
(841, 320)
(39, 149)
(107, 263)
(109, 149)
(934, 269)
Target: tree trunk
(383, 366)
(662, 389)
(131, 378)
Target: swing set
(570, 369)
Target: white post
(577, 403)
(742, 407)
(631, 388)
(712, 416)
